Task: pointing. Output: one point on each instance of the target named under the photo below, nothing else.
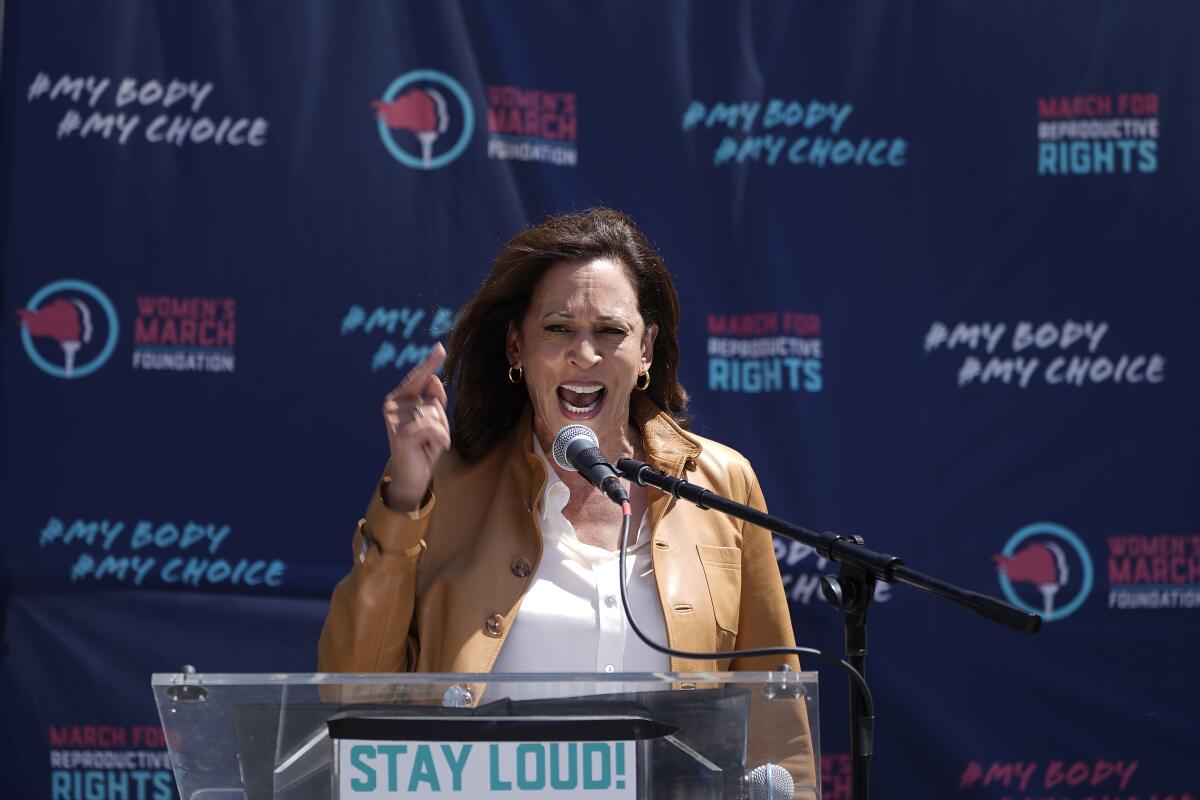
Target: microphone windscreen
(565, 437)
(770, 782)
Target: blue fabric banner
(935, 275)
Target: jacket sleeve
(370, 625)
(781, 734)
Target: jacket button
(521, 567)
(689, 465)
(494, 625)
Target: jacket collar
(668, 446)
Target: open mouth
(580, 400)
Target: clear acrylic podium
(545, 736)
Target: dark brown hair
(487, 404)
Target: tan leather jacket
(437, 590)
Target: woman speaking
(478, 553)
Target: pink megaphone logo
(425, 119)
(68, 328)
(421, 111)
(1048, 557)
(1044, 564)
(67, 321)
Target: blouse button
(521, 567)
(494, 625)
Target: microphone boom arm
(851, 592)
(834, 547)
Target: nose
(583, 352)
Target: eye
(613, 331)
(557, 327)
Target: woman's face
(582, 345)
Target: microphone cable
(855, 676)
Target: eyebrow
(568, 315)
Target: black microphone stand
(851, 592)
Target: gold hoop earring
(639, 384)
(515, 374)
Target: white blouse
(570, 619)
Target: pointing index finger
(414, 383)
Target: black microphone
(577, 449)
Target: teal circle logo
(68, 313)
(425, 107)
(1051, 558)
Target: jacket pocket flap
(726, 557)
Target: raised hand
(418, 431)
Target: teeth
(591, 391)
(581, 410)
